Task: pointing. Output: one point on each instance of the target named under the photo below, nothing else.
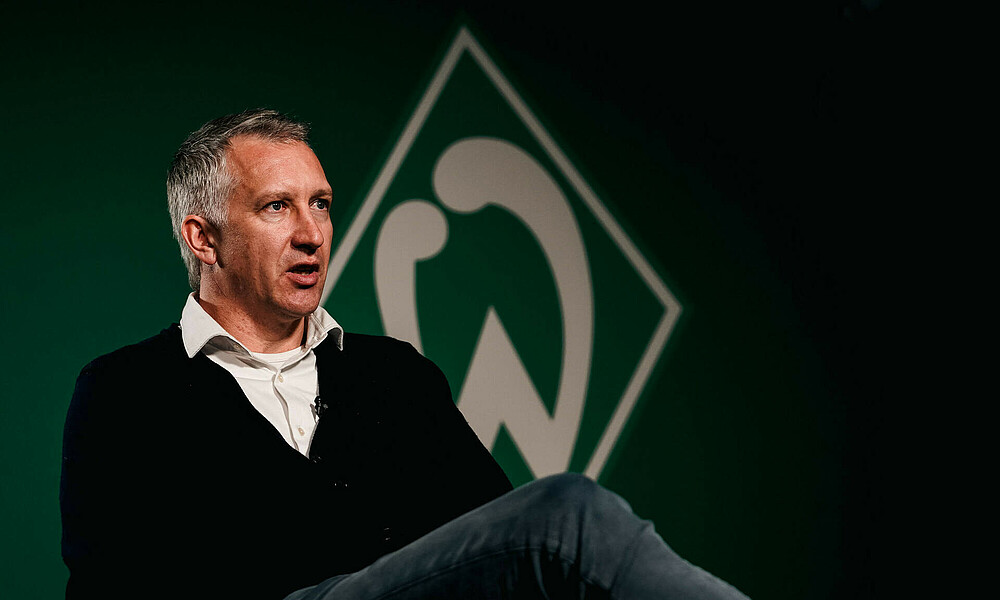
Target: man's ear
(201, 238)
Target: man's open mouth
(306, 275)
(304, 269)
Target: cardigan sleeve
(99, 491)
(450, 470)
(483, 479)
(122, 535)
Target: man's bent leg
(559, 537)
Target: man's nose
(308, 234)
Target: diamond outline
(465, 42)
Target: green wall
(732, 143)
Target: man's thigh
(527, 538)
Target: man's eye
(322, 204)
(275, 206)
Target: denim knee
(574, 494)
(578, 527)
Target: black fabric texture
(173, 485)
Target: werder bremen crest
(480, 244)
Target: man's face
(275, 248)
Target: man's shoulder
(155, 350)
(388, 357)
(108, 386)
(363, 343)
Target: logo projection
(483, 246)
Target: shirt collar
(198, 328)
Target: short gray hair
(199, 183)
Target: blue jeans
(563, 536)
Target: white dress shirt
(282, 387)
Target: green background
(739, 145)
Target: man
(256, 450)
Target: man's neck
(258, 333)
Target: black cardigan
(153, 507)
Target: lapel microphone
(319, 407)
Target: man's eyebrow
(282, 195)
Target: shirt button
(302, 431)
(281, 378)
